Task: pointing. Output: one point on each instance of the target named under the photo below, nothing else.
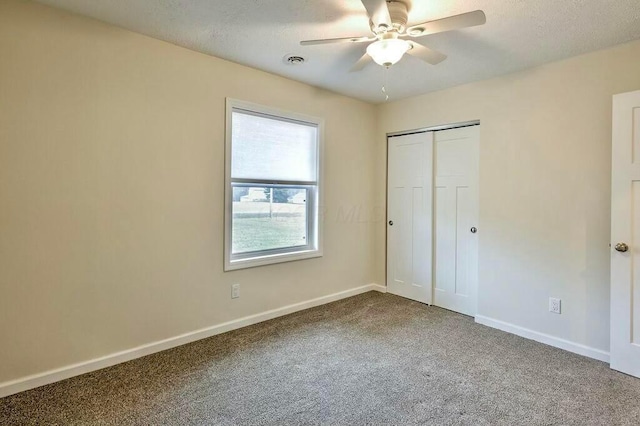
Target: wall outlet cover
(235, 291)
(555, 305)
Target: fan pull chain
(384, 92)
(384, 86)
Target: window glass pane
(268, 218)
(268, 148)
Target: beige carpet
(371, 359)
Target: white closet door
(456, 219)
(625, 234)
(409, 216)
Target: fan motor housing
(399, 12)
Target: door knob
(474, 230)
(621, 247)
(390, 223)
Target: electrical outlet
(235, 291)
(555, 305)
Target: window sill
(232, 265)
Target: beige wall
(111, 191)
(544, 187)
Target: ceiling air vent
(293, 60)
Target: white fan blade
(337, 40)
(430, 56)
(378, 12)
(362, 62)
(456, 22)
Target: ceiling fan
(388, 22)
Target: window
(272, 186)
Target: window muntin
(272, 189)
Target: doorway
(432, 216)
(625, 234)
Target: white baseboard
(51, 376)
(547, 339)
(379, 288)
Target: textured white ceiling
(518, 34)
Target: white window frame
(313, 248)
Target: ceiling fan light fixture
(388, 52)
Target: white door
(625, 234)
(456, 219)
(409, 216)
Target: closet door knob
(390, 223)
(474, 230)
(621, 247)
